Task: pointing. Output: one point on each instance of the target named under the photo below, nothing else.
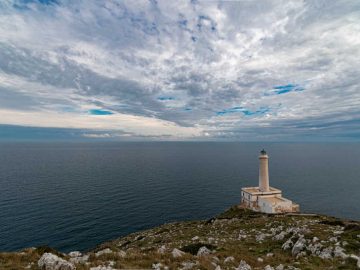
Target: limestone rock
(299, 246)
(243, 266)
(279, 267)
(177, 253)
(288, 244)
(49, 261)
(229, 259)
(81, 259)
(203, 251)
(326, 253)
(75, 254)
(280, 236)
(156, 266)
(122, 253)
(161, 249)
(268, 267)
(357, 259)
(315, 249)
(339, 252)
(187, 265)
(102, 267)
(104, 251)
(260, 237)
(301, 254)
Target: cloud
(227, 69)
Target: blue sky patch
(283, 89)
(100, 112)
(243, 110)
(165, 98)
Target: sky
(180, 70)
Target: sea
(77, 195)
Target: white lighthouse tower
(264, 172)
(265, 198)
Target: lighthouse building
(264, 198)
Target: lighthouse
(265, 198)
(264, 172)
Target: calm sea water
(74, 196)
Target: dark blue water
(73, 196)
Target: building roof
(257, 191)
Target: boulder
(268, 267)
(357, 259)
(49, 261)
(243, 266)
(339, 252)
(203, 251)
(288, 244)
(177, 253)
(299, 246)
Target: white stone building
(265, 198)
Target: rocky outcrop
(49, 261)
(237, 239)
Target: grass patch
(332, 222)
(194, 248)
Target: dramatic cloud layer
(232, 70)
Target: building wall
(278, 207)
(249, 200)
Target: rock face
(49, 261)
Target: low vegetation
(235, 239)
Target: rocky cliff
(236, 239)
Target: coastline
(235, 239)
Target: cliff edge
(236, 239)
